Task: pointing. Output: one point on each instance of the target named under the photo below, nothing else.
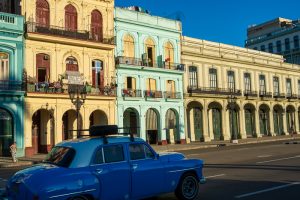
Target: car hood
(171, 156)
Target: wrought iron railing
(172, 95)
(212, 90)
(32, 27)
(265, 94)
(250, 93)
(153, 94)
(291, 96)
(277, 95)
(131, 93)
(145, 63)
(9, 85)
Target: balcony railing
(32, 27)
(131, 93)
(277, 95)
(265, 94)
(152, 94)
(8, 85)
(250, 93)
(291, 96)
(145, 63)
(219, 91)
(172, 95)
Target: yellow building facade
(233, 92)
(67, 40)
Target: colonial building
(11, 90)
(237, 92)
(280, 36)
(149, 76)
(67, 42)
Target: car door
(112, 169)
(147, 172)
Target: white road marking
(264, 156)
(3, 180)
(215, 176)
(278, 159)
(266, 190)
(195, 154)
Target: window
(5, 6)
(296, 42)
(276, 86)
(129, 50)
(130, 83)
(113, 153)
(271, 47)
(151, 84)
(287, 44)
(262, 84)
(140, 151)
(170, 86)
(43, 67)
(71, 64)
(169, 53)
(213, 78)
(70, 18)
(4, 66)
(255, 48)
(98, 159)
(149, 57)
(288, 87)
(278, 46)
(193, 77)
(96, 26)
(247, 82)
(42, 13)
(262, 48)
(97, 74)
(230, 80)
(61, 156)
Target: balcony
(11, 22)
(152, 94)
(264, 94)
(32, 27)
(277, 95)
(11, 86)
(131, 93)
(172, 95)
(218, 91)
(291, 96)
(143, 63)
(250, 93)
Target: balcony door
(70, 18)
(96, 26)
(71, 64)
(42, 67)
(42, 13)
(97, 74)
(4, 66)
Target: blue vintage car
(108, 167)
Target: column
(143, 125)
(257, 124)
(242, 124)
(297, 122)
(285, 130)
(271, 122)
(191, 125)
(225, 124)
(206, 125)
(162, 140)
(210, 125)
(181, 125)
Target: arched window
(43, 67)
(4, 66)
(70, 18)
(128, 46)
(169, 52)
(97, 74)
(71, 64)
(96, 26)
(42, 13)
(149, 56)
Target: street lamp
(77, 95)
(231, 105)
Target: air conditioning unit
(46, 57)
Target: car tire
(188, 187)
(80, 198)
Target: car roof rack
(106, 130)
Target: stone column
(271, 123)
(162, 140)
(257, 125)
(191, 124)
(285, 130)
(226, 124)
(143, 133)
(210, 125)
(296, 122)
(206, 125)
(242, 124)
(181, 126)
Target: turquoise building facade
(11, 85)
(149, 76)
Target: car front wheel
(188, 187)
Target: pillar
(206, 125)
(191, 124)
(257, 125)
(271, 123)
(285, 130)
(242, 124)
(225, 124)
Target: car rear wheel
(80, 198)
(188, 187)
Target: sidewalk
(6, 162)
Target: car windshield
(60, 156)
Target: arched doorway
(152, 126)
(131, 121)
(96, 26)
(195, 121)
(42, 131)
(172, 133)
(215, 116)
(98, 117)
(234, 120)
(71, 64)
(264, 118)
(70, 124)
(278, 120)
(6, 132)
(290, 118)
(250, 120)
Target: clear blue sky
(224, 21)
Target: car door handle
(99, 171)
(134, 167)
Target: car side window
(98, 159)
(140, 151)
(113, 153)
(149, 153)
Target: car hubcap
(189, 187)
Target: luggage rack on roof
(105, 130)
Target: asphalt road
(260, 171)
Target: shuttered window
(70, 18)
(42, 13)
(4, 66)
(97, 26)
(128, 46)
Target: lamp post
(231, 105)
(77, 95)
